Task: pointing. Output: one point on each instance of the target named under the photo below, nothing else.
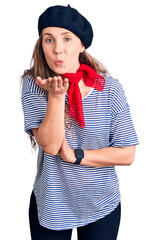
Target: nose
(58, 48)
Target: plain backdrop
(125, 40)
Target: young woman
(79, 117)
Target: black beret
(68, 18)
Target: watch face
(79, 153)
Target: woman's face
(61, 49)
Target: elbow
(129, 161)
(131, 156)
(47, 145)
(51, 149)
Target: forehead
(56, 31)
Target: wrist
(73, 157)
(56, 96)
(69, 156)
(79, 154)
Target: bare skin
(51, 131)
(61, 49)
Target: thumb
(40, 82)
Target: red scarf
(91, 79)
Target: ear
(82, 49)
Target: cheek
(74, 53)
(48, 58)
(46, 51)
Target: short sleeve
(122, 131)
(34, 104)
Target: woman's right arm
(51, 132)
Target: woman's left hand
(66, 153)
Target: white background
(126, 42)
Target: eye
(49, 40)
(67, 39)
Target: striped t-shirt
(70, 195)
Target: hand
(66, 153)
(55, 86)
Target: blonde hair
(39, 67)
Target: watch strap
(79, 154)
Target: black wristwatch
(79, 154)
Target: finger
(54, 82)
(59, 81)
(49, 79)
(40, 82)
(37, 80)
(49, 82)
(66, 83)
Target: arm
(109, 156)
(51, 131)
(103, 157)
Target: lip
(58, 62)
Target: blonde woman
(79, 117)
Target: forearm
(51, 131)
(103, 157)
(109, 156)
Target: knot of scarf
(92, 79)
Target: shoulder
(112, 83)
(29, 85)
(116, 94)
(113, 86)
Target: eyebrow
(49, 34)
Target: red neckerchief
(91, 79)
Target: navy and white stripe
(70, 195)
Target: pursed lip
(58, 62)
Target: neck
(84, 89)
(81, 84)
(74, 68)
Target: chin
(58, 70)
(63, 69)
